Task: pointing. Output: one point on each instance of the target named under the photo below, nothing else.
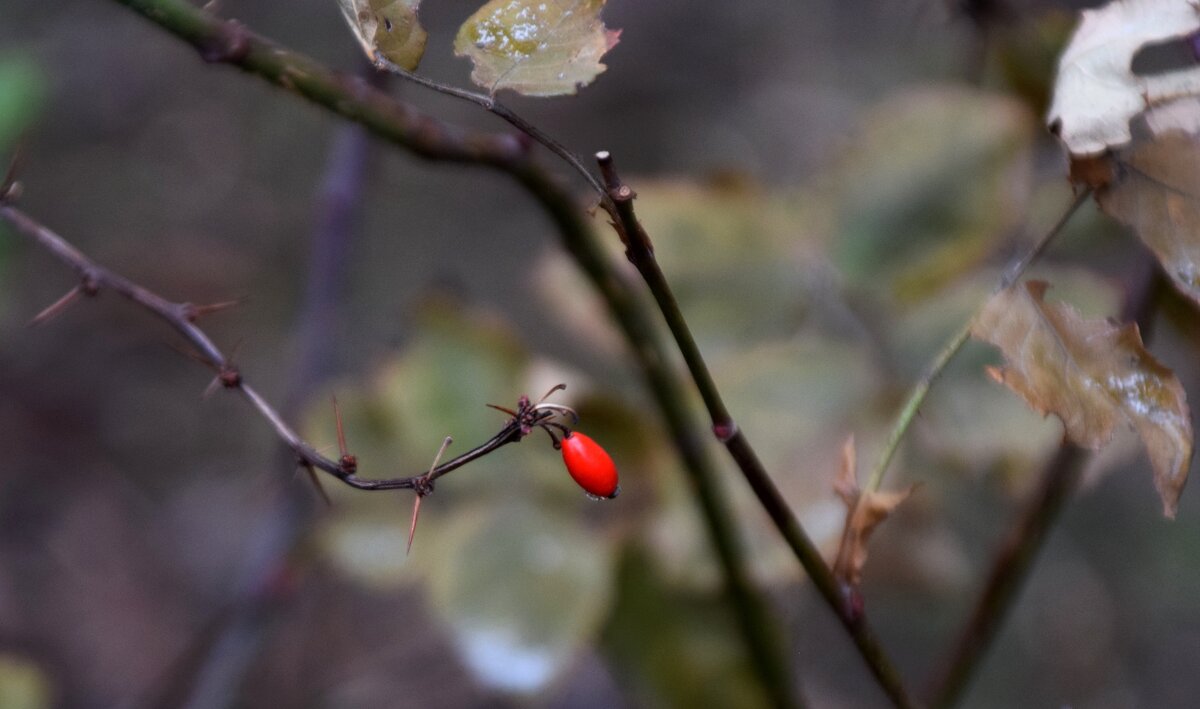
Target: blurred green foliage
(22, 93)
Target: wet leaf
(536, 47)
(1092, 374)
(1096, 92)
(388, 29)
(968, 423)
(1155, 189)
(865, 510)
(521, 589)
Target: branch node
(90, 284)
(229, 376)
(725, 430)
(229, 45)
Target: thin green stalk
(920, 390)
(231, 43)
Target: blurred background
(831, 187)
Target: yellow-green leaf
(387, 29)
(1092, 374)
(536, 47)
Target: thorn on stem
(423, 487)
(316, 481)
(57, 307)
(192, 313)
(347, 462)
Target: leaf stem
(492, 105)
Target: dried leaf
(1096, 92)
(388, 29)
(864, 512)
(1156, 190)
(536, 47)
(1092, 374)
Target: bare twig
(640, 252)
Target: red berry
(590, 466)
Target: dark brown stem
(640, 252)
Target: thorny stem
(1016, 555)
(920, 390)
(231, 43)
(640, 251)
(99, 278)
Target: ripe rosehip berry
(590, 466)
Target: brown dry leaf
(1155, 189)
(535, 47)
(1092, 374)
(864, 512)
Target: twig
(492, 105)
(180, 317)
(640, 252)
(1016, 555)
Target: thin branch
(492, 105)
(1016, 555)
(921, 389)
(640, 251)
(178, 315)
